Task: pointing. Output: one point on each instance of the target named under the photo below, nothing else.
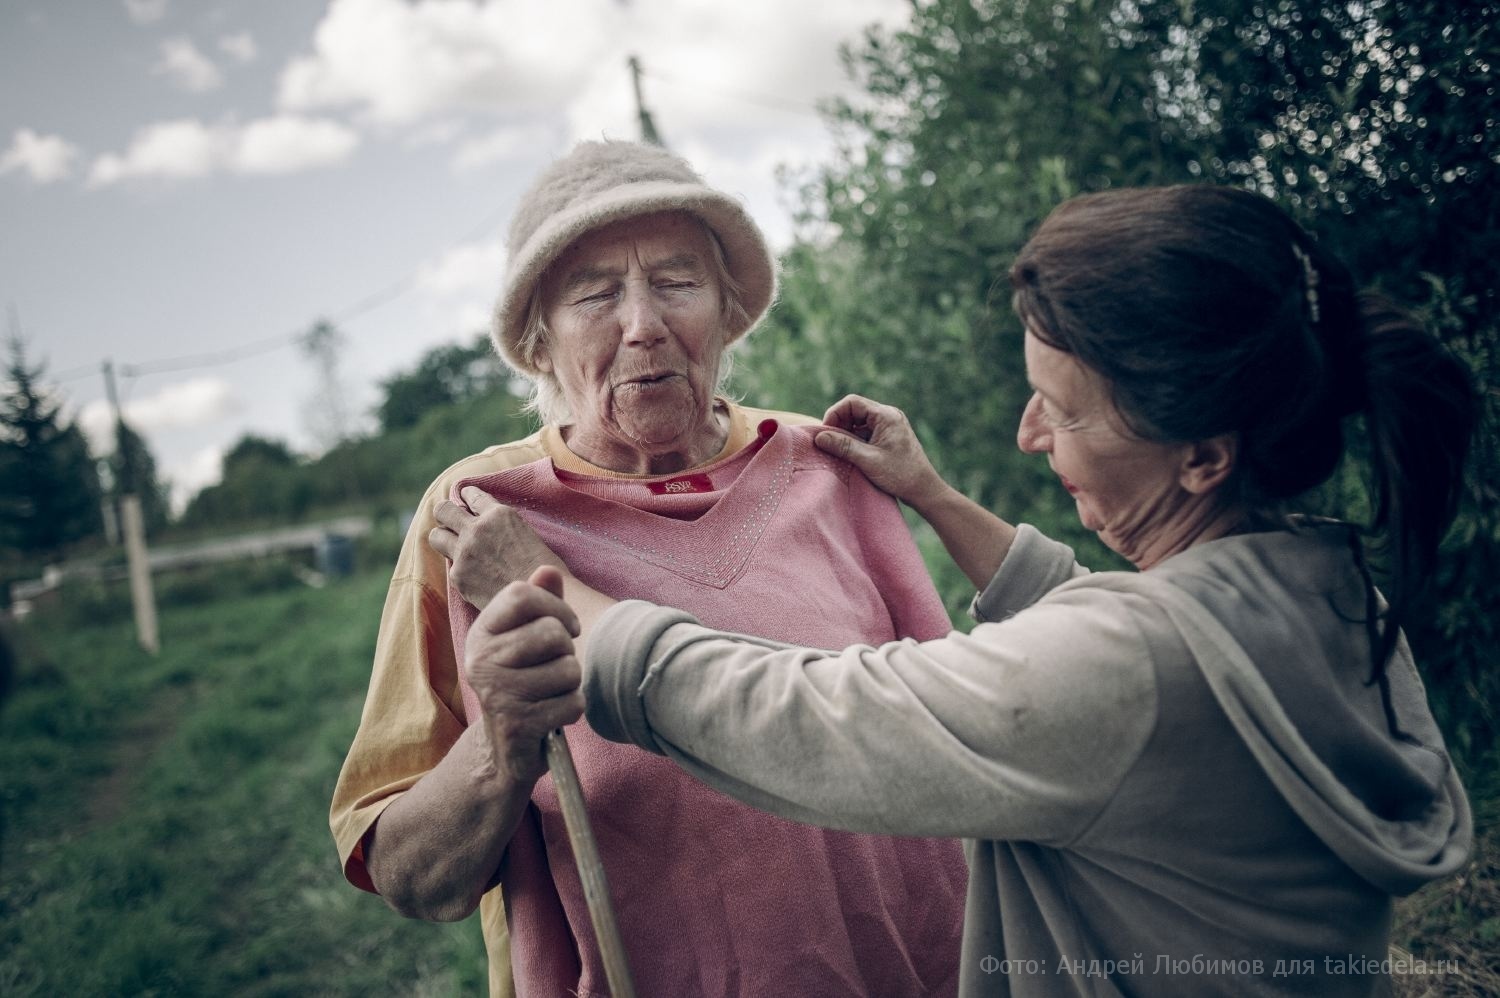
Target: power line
(189, 361)
(74, 373)
(369, 303)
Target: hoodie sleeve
(1003, 733)
(1034, 566)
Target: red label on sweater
(681, 486)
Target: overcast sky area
(187, 181)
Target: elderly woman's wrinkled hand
(879, 441)
(489, 545)
(519, 659)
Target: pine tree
(49, 491)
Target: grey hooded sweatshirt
(1175, 782)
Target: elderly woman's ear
(1207, 464)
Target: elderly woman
(1208, 777)
(627, 279)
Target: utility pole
(648, 127)
(133, 525)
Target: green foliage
(49, 491)
(977, 120)
(1456, 637)
(166, 817)
(84, 601)
(454, 403)
(1374, 123)
(394, 468)
(252, 455)
(447, 374)
(262, 481)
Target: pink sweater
(713, 897)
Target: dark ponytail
(1420, 410)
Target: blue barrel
(335, 556)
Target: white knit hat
(603, 182)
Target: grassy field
(163, 820)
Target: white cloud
(188, 477)
(473, 268)
(439, 132)
(187, 67)
(239, 46)
(750, 174)
(145, 11)
(45, 158)
(397, 62)
(182, 405)
(187, 148)
(288, 144)
(746, 66)
(726, 76)
(170, 149)
(472, 317)
(98, 424)
(185, 405)
(460, 287)
(738, 69)
(509, 142)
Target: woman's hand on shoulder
(879, 441)
(489, 545)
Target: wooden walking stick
(590, 869)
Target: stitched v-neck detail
(711, 549)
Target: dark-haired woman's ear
(1208, 463)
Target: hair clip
(1309, 282)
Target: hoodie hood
(1391, 807)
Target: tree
(445, 374)
(1374, 121)
(252, 455)
(975, 121)
(49, 493)
(262, 480)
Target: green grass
(165, 819)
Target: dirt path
(107, 799)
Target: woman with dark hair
(1209, 776)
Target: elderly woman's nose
(641, 318)
(1031, 435)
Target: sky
(186, 186)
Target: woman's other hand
(879, 441)
(488, 544)
(520, 659)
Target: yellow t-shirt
(414, 710)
